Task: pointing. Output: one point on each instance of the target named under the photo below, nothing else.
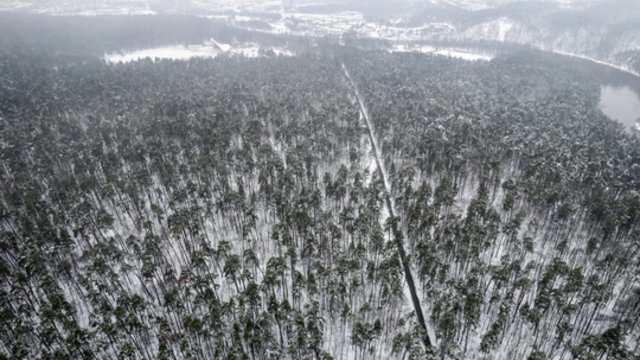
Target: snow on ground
(504, 25)
(459, 53)
(494, 30)
(101, 12)
(237, 6)
(116, 12)
(309, 24)
(353, 23)
(85, 8)
(177, 52)
(371, 167)
(209, 49)
(14, 5)
(408, 305)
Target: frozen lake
(621, 103)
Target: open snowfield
(209, 49)
(458, 53)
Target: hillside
(603, 30)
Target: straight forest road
(429, 339)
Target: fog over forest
(297, 179)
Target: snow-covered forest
(276, 208)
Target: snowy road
(430, 339)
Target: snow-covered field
(212, 49)
(177, 52)
(458, 53)
(209, 49)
